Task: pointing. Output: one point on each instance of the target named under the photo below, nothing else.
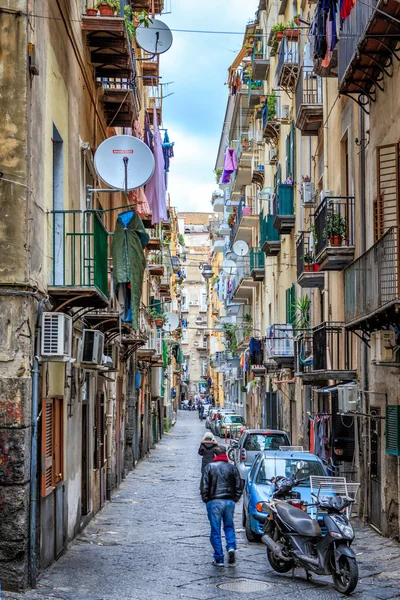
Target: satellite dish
(229, 266)
(240, 248)
(124, 162)
(154, 39)
(171, 322)
(231, 256)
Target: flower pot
(278, 36)
(315, 267)
(292, 34)
(297, 21)
(91, 12)
(336, 240)
(244, 145)
(159, 322)
(307, 267)
(106, 10)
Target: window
(58, 205)
(203, 307)
(184, 336)
(257, 441)
(290, 152)
(99, 445)
(52, 444)
(273, 467)
(386, 205)
(290, 304)
(184, 301)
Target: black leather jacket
(221, 481)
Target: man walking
(221, 487)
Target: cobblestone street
(151, 542)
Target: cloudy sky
(197, 63)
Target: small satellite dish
(231, 256)
(171, 322)
(124, 162)
(240, 248)
(229, 266)
(154, 39)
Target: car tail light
(243, 455)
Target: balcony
(287, 71)
(112, 57)
(308, 273)
(271, 127)
(334, 227)
(79, 275)
(148, 5)
(325, 353)
(155, 264)
(259, 61)
(309, 102)
(283, 209)
(165, 288)
(257, 264)
(270, 240)
(218, 244)
(175, 263)
(150, 70)
(217, 201)
(367, 44)
(246, 218)
(279, 344)
(256, 90)
(242, 282)
(372, 286)
(155, 237)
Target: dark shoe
(218, 563)
(232, 557)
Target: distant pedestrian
(201, 411)
(207, 450)
(221, 487)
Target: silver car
(253, 441)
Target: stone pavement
(151, 542)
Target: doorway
(375, 508)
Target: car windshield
(255, 442)
(272, 467)
(233, 419)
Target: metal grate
(245, 585)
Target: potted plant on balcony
(308, 260)
(245, 142)
(231, 219)
(91, 10)
(277, 33)
(291, 33)
(134, 19)
(296, 20)
(151, 314)
(159, 320)
(336, 228)
(107, 8)
(302, 311)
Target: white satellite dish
(231, 256)
(171, 322)
(154, 39)
(240, 248)
(229, 266)
(124, 162)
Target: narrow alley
(151, 542)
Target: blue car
(257, 490)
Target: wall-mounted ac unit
(382, 344)
(347, 398)
(92, 347)
(198, 332)
(273, 156)
(194, 303)
(325, 194)
(308, 192)
(56, 337)
(111, 357)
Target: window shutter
(388, 186)
(293, 151)
(393, 430)
(47, 446)
(58, 440)
(290, 300)
(378, 218)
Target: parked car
(215, 422)
(253, 441)
(258, 489)
(210, 414)
(229, 425)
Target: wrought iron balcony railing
(334, 227)
(372, 283)
(270, 240)
(288, 65)
(279, 343)
(309, 105)
(308, 273)
(243, 210)
(283, 208)
(257, 259)
(80, 250)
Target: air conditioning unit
(56, 337)
(273, 156)
(325, 194)
(382, 344)
(198, 332)
(111, 357)
(347, 398)
(308, 192)
(92, 348)
(194, 303)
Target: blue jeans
(221, 510)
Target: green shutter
(290, 300)
(393, 430)
(290, 159)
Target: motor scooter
(294, 539)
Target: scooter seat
(299, 520)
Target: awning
(236, 64)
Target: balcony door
(375, 507)
(386, 204)
(58, 205)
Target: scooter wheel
(280, 566)
(346, 580)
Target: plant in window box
(91, 10)
(291, 33)
(159, 320)
(308, 260)
(336, 228)
(151, 315)
(277, 33)
(134, 19)
(296, 20)
(107, 8)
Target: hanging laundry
(168, 151)
(155, 189)
(230, 165)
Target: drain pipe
(34, 440)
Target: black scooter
(294, 539)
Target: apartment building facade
(84, 392)
(312, 194)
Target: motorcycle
(294, 539)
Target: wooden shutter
(47, 446)
(388, 187)
(378, 218)
(97, 432)
(58, 440)
(290, 300)
(393, 430)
